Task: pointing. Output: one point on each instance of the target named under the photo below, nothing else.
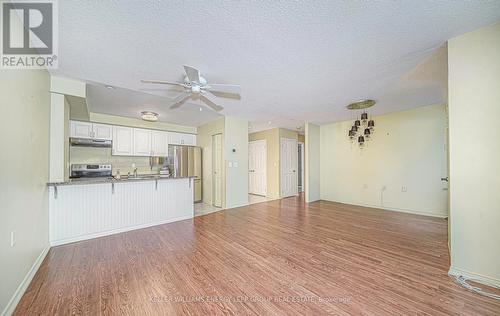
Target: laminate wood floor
(278, 257)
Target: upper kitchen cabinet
(80, 129)
(102, 131)
(142, 142)
(90, 130)
(159, 143)
(188, 139)
(123, 141)
(182, 139)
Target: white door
(102, 131)
(217, 163)
(122, 141)
(142, 142)
(80, 129)
(288, 162)
(159, 143)
(257, 164)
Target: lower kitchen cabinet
(85, 211)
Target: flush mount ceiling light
(149, 116)
(363, 104)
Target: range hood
(87, 142)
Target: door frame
(264, 141)
(213, 172)
(302, 166)
(295, 157)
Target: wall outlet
(235, 164)
(230, 164)
(404, 188)
(12, 238)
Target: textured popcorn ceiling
(295, 60)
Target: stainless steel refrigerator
(185, 161)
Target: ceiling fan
(196, 86)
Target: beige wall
(133, 122)
(273, 159)
(24, 161)
(204, 140)
(236, 138)
(301, 138)
(59, 133)
(407, 149)
(273, 138)
(474, 111)
(312, 162)
(286, 133)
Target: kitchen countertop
(80, 181)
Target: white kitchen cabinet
(142, 142)
(102, 131)
(159, 143)
(123, 142)
(181, 139)
(90, 130)
(80, 129)
(174, 138)
(188, 139)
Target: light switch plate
(230, 164)
(12, 238)
(235, 164)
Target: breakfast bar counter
(85, 209)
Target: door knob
(444, 179)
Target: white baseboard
(474, 276)
(115, 231)
(238, 205)
(443, 215)
(11, 305)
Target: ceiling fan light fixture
(197, 87)
(149, 116)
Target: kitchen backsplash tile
(94, 155)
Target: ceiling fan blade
(178, 100)
(210, 101)
(225, 88)
(164, 82)
(192, 73)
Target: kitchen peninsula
(112, 186)
(84, 209)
